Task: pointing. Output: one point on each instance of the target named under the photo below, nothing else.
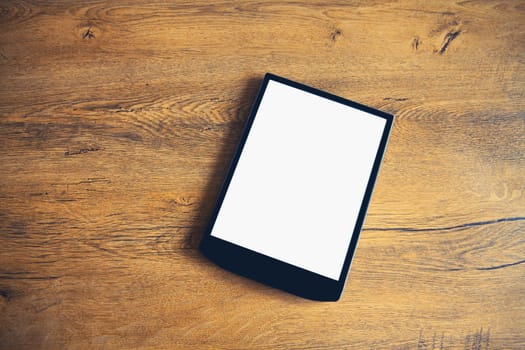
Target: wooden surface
(117, 122)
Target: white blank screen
(298, 186)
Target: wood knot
(88, 34)
(335, 34)
(415, 43)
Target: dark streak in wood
(395, 99)
(99, 247)
(41, 308)
(92, 180)
(81, 151)
(448, 228)
(30, 278)
(37, 194)
(451, 35)
(18, 272)
(500, 266)
(153, 228)
(130, 136)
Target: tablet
(293, 202)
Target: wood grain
(118, 120)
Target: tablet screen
(298, 186)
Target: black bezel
(271, 271)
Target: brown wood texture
(117, 122)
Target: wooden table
(118, 120)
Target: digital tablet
(293, 202)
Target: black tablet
(294, 199)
